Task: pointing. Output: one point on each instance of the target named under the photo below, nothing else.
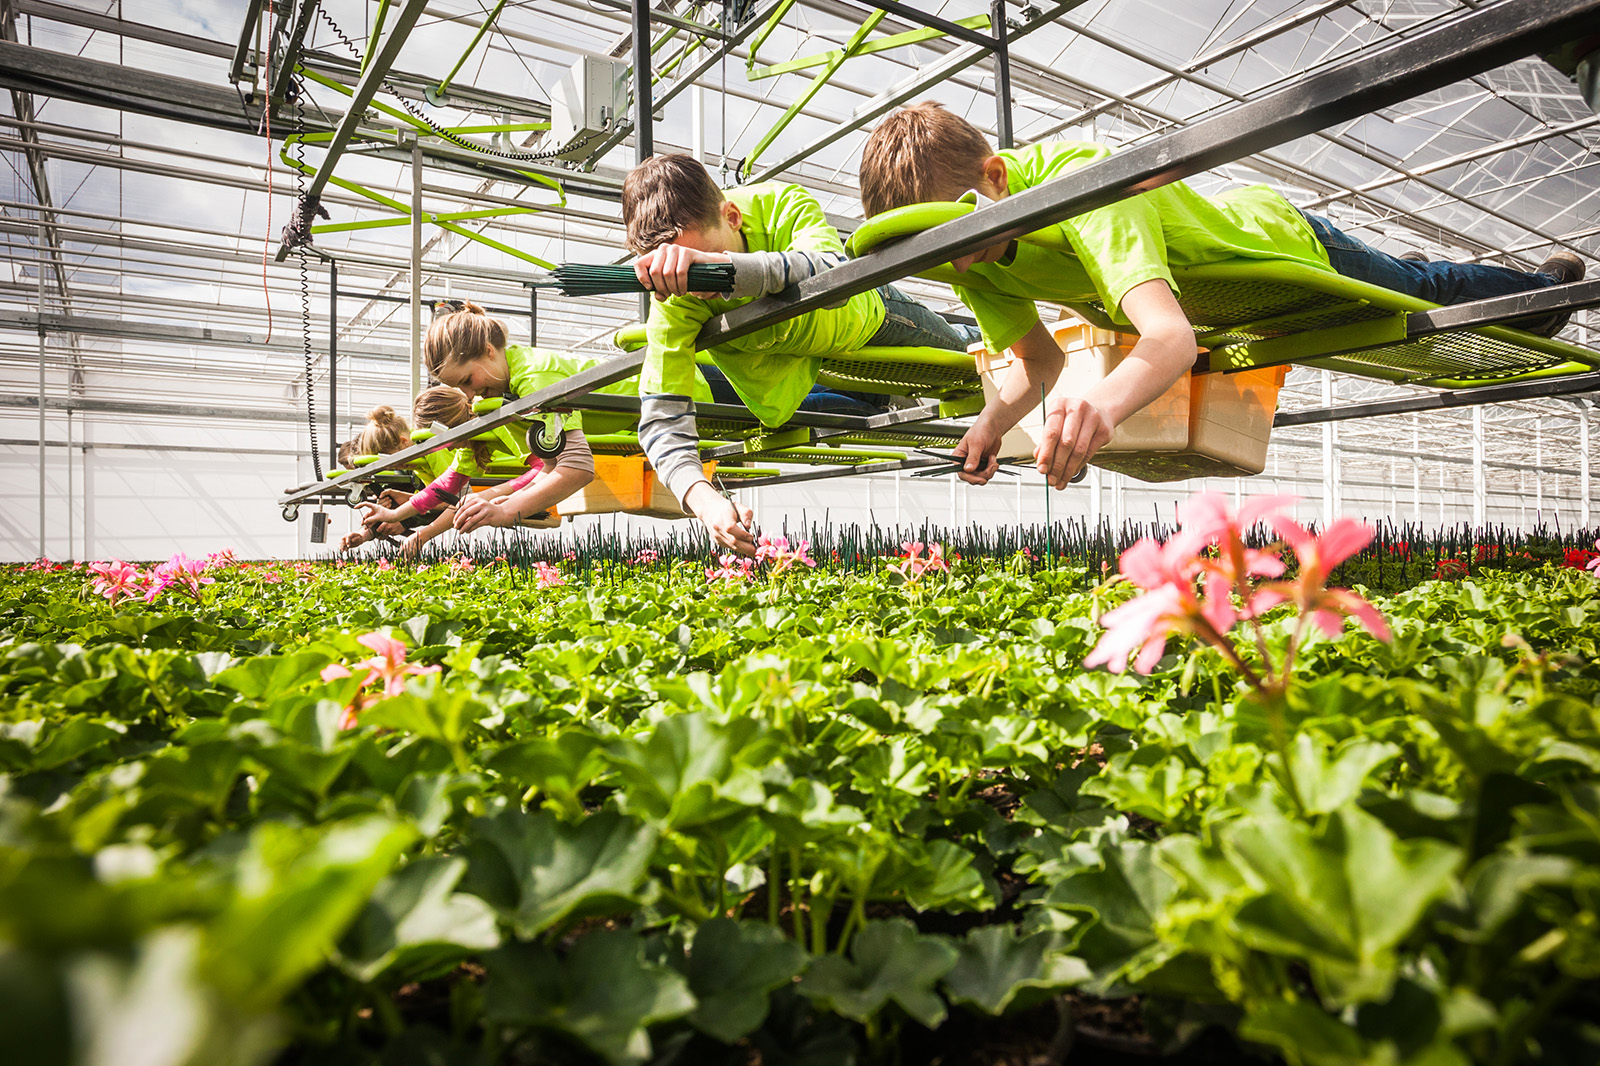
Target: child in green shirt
(1123, 255)
(775, 235)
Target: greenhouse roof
(137, 162)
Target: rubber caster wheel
(291, 513)
(542, 443)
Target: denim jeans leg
(909, 324)
(1442, 283)
(722, 390)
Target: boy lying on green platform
(1124, 255)
(776, 236)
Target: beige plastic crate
(1205, 425)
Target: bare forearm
(548, 491)
(1147, 372)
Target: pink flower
(571, 556)
(1594, 564)
(390, 663)
(220, 559)
(777, 551)
(549, 575)
(1143, 625)
(116, 579)
(462, 564)
(913, 565)
(1327, 608)
(384, 564)
(646, 557)
(731, 568)
(333, 672)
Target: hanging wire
(297, 96)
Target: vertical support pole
(697, 123)
(39, 239)
(333, 364)
(416, 267)
(72, 533)
(1583, 465)
(644, 142)
(1002, 74)
(1330, 470)
(1538, 472)
(533, 316)
(1480, 480)
(1416, 470)
(1096, 501)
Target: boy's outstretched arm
(1034, 373)
(1076, 427)
(532, 492)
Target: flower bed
(626, 812)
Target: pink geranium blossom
(548, 575)
(646, 557)
(730, 567)
(388, 666)
(913, 564)
(777, 551)
(182, 574)
(1594, 564)
(116, 579)
(1204, 580)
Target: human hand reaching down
(475, 512)
(1074, 429)
(730, 525)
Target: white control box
(588, 102)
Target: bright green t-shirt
(773, 368)
(1126, 243)
(533, 369)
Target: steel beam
(241, 53)
(201, 336)
(292, 49)
(184, 411)
(1571, 385)
(371, 80)
(1504, 310)
(1477, 41)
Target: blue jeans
(909, 324)
(1442, 283)
(820, 400)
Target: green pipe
(377, 34)
(975, 22)
(439, 90)
(816, 84)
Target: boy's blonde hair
(665, 195)
(463, 335)
(920, 154)
(450, 406)
(384, 432)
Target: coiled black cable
(416, 113)
(297, 94)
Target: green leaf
(416, 921)
(540, 872)
(995, 966)
(604, 994)
(1305, 1034)
(272, 675)
(559, 766)
(74, 737)
(1328, 783)
(299, 890)
(1341, 900)
(889, 961)
(692, 770)
(732, 967)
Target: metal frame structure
(1467, 193)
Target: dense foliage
(637, 816)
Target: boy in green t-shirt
(1123, 257)
(775, 235)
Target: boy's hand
(979, 447)
(729, 524)
(477, 512)
(1074, 429)
(355, 539)
(393, 497)
(665, 271)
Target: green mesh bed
(1267, 312)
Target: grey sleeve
(577, 455)
(671, 442)
(763, 273)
